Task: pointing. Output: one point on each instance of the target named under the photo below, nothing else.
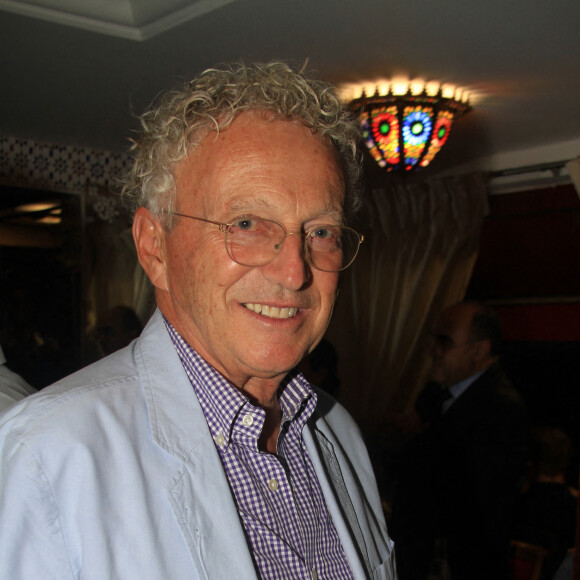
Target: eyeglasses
(253, 241)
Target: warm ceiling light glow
(50, 220)
(381, 88)
(48, 213)
(399, 86)
(32, 207)
(405, 123)
(432, 88)
(417, 86)
(448, 91)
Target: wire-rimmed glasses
(254, 241)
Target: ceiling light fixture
(405, 123)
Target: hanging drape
(420, 247)
(112, 273)
(113, 262)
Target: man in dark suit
(460, 474)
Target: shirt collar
(462, 386)
(222, 403)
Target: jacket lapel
(350, 492)
(205, 510)
(338, 501)
(198, 492)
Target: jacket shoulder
(71, 401)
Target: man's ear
(149, 238)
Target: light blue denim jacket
(112, 473)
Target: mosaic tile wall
(59, 168)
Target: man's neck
(459, 388)
(268, 440)
(261, 391)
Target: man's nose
(290, 267)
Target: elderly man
(461, 473)
(197, 451)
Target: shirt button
(273, 484)
(220, 439)
(247, 420)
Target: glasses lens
(332, 248)
(252, 241)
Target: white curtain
(112, 273)
(421, 242)
(116, 277)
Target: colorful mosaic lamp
(405, 125)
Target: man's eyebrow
(328, 215)
(336, 215)
(248, 203)
(253, 204)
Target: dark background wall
(529, 268)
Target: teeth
(271, 311)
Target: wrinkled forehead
(211, 129)
(253, 150)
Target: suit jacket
(460, 480)
(112, 473)
(481, 443)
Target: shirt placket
(262, 484)
(303, 498)
(274, 478)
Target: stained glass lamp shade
(404, 132)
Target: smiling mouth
(272, 311)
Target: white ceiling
(76, 71)
(132, 19)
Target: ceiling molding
(563, 150)
(130, 19)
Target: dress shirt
(278, 497)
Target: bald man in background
(461, 474)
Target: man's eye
(246, 224)
(325, 233)
(321, 233)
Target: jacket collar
(198, 490)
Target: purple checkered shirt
(278, 497)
